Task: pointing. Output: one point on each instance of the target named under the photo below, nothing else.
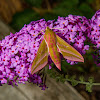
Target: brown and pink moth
(52, 45)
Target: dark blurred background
(16, 13)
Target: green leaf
(68, 3)
(66, 7)
(90, 84)
(25, 17)
(67, 76)
(80, 68)
(57, 79)
(52, 75)
(50, 16)
(73, 77)
(89, 87)
(81, 78)
(36, 3)
(64, 66)
(62, 79)
(90, 1)
(91, 79)
(73, 81)
(66, 11)
(86, 10)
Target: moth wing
(41, 58)
(68, 51)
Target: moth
(53, 45)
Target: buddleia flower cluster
(74, 31)
(95, 36)
(17, 51)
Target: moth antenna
(59, 29)
(38, 39)
(39, 32)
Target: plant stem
(84, 82)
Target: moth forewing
(68, 51)
(51, 41)
(41, 58)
